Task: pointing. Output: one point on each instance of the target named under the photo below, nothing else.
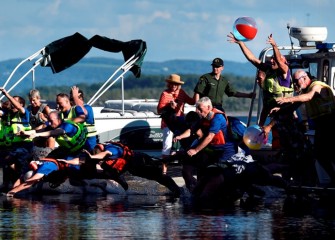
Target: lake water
(68, 216)
(111, 216)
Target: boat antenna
(288, 29)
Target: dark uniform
(214, 89)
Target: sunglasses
(297, 79)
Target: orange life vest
(219, 138)
(120, 163)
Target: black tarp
(67, 51)
(130, 48)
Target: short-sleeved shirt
(90, 114)
(208, 86)
(47, 167)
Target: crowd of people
(209, 148)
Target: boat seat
(111, 110)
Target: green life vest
(272, 89)
(75, 142)
(10, 126)
(6, 133)
(319, 106)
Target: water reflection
(68, 216)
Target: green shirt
(208, 86)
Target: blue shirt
(218, 123)
(89, 119)
(90, 115)
(69, 128)
(47, 167)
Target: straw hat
(174, 78)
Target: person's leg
(187, 173)
(167, 145)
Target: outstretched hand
(281, 100)
(232, 38)
(271, 40)
(26, 134)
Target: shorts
(167, 141)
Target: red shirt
(180, 97)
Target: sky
(172, 29)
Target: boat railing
(125, 67)
(31, 70)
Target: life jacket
(319, 106)
(219, 138)
(35, 119)
(272, 88)
(119, 163)
(72, 114)
(75, 142)
(6, 133)
(12, 126)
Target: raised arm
(245, 50)
(278, 57)
(13, 101)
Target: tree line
(149, 87)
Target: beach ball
(245, 29)
(254, 137)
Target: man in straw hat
(175, 98)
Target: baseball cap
(217, 62)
